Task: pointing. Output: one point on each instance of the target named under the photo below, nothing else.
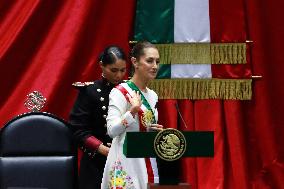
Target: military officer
(88, 117)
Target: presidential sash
(146, 114)
(146, 118)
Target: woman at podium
(132, 107)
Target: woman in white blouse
(132, 107)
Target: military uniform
(88, 123)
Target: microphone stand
(180, 116)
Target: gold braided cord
(235, 89)
(202, 53)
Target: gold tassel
(202, 53)
(195, 89)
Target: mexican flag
(204, 55)
(182, 31)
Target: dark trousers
(91, 171)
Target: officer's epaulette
(80, 85)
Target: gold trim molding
(202, 53)
(234, 89)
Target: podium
(141, 145)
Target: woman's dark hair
(138, 49)
(111, 54)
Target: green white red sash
(145, 107)
(146, 113)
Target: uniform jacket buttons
(104, 108)
(93, 155)
(99, 90)
(105, 125)
(105, 116)
(102, 99)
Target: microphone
(179, 113)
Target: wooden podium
(141, 144)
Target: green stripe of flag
(164, 71)
(154, 21)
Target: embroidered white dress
(121, 172)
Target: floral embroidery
(119, 178)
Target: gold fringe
(235, 89)
(228, 53)
(202, 53)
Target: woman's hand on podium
(156, 127)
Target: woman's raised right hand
(135, 101)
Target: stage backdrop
(47, 45)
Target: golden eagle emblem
(170, 144)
